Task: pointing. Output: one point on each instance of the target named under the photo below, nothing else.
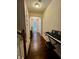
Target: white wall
(52, 20)
(52, 16)
(27, 23)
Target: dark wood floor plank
(38, 50)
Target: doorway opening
(35, 26)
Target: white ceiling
(43, 3)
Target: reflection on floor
(38, 49)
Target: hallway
(43, 18)
(38, 49)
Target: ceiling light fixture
(37, 5)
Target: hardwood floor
(38, 49)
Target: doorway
(35, 26)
